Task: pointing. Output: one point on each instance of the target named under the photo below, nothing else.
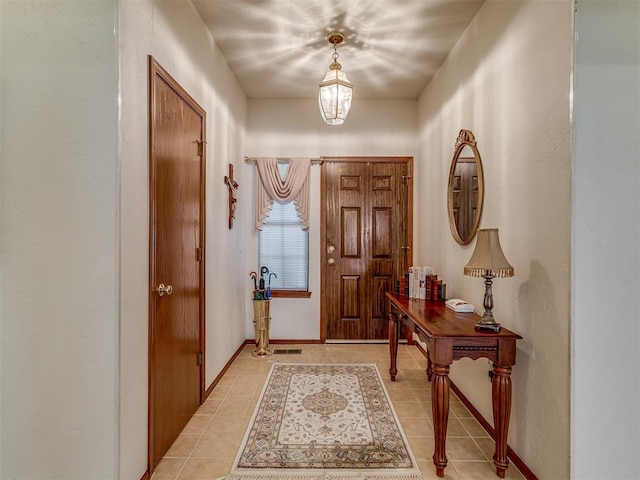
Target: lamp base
(493, 327)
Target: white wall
(508, 81)
(175, 35)
(291, 128)
(606, 241)
(59, 226)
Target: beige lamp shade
(488, 256)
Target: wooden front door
(176, 328)
(366, 242)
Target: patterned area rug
(324, 421)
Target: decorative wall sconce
(335, 90)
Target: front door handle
(162, 289)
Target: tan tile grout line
(203, 431)
(194, 447)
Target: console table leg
(501, 393)
(429, 367)
(440, 405)
(394, 331)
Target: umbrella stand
(261, 321)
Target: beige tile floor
(207, 446)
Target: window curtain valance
(271, 186)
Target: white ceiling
(279, 49)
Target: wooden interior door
(366, 243)
(176, 330)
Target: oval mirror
(466, 189)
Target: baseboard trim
(146, 476)
(222, 372)
(513, 457)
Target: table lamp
(488, 261)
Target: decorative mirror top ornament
(465, 192)
(465, 136)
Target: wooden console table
(450, 336)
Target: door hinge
(406, 178)
(201, 144)
(198, 254)
(200, 358)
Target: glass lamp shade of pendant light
(335, 90)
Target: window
(283, 247)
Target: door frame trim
(157, 71)
(323, 219)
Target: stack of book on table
(423, 283)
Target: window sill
(290, 294)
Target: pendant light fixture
(335, 90)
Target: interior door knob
(162, 289)
(331, 261)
